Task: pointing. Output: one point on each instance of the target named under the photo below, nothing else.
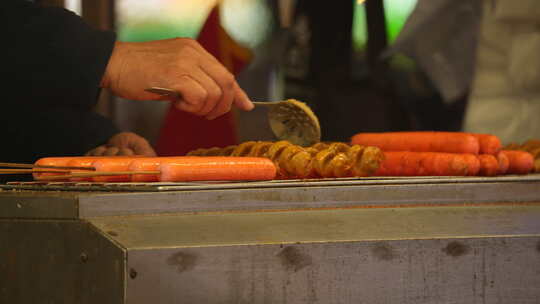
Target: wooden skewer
(22, 171)
(92, 174)
(17, 165)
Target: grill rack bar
(220, 185)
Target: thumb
(241, 100)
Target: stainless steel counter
(373, 240)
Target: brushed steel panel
(450, 271)
(330, 225)
(38, 204)
(307, 197)
(51, 261)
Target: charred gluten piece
(320, 160)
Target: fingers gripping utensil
(290, 119)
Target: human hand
(181, 64)
(124, 143)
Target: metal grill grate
(211, 185)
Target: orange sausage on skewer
(188, 168)
(83, 161)
(489, 144)
(520, 162)
(183, 168)
(214, 168)
(111, 164)
(504, 163)
(473, 164)
(74, 161)
(404, 163)
(420, 141)
(104, 165)
(150, 164)
(489, 165)
(145, 164)
(63, 161)
(53, 161)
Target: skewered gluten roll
(320, 160)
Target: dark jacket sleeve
(54, 63)
(60, 131)
(55, 55)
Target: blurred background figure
(431, 63)
(479, 61)
(505, 96)
(333, 62)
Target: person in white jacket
(487, 50)
(505, 93)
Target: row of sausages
(404, 154)
(445, 153)
(406, 163)
(166, 169)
